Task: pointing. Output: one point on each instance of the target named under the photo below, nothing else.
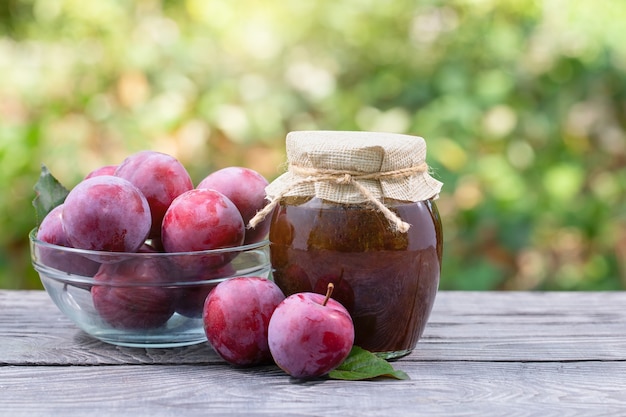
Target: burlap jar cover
(350, 168)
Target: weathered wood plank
(34, 331)
(435, 389)
(552, 326)
(471, 326)
(517, 354)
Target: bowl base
(152, 344)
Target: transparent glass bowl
(145, 299)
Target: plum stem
(329, 291)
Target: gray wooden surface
(482, 354)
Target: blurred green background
(522, 104)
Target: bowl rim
(32, 236)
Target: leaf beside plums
(49, 193)
(362, 364)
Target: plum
(123, 302)
(236, 316)
(51, 228)
(160, 177)
(310, 334)
(103, 170)
(199, 220)
(106, 213)
(191, 298)
(246, 189)
(51, 231)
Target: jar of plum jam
(357, 209)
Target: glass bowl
(147, 299)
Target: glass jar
(357, 209)
(385, 278)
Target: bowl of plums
(131, 252)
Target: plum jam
(387, 279)
(357, 209)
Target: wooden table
(483, 354)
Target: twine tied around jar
(344, 177)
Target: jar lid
(348, 167)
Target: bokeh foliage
(522, 103)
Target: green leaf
(362, 364)
(49, 193)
